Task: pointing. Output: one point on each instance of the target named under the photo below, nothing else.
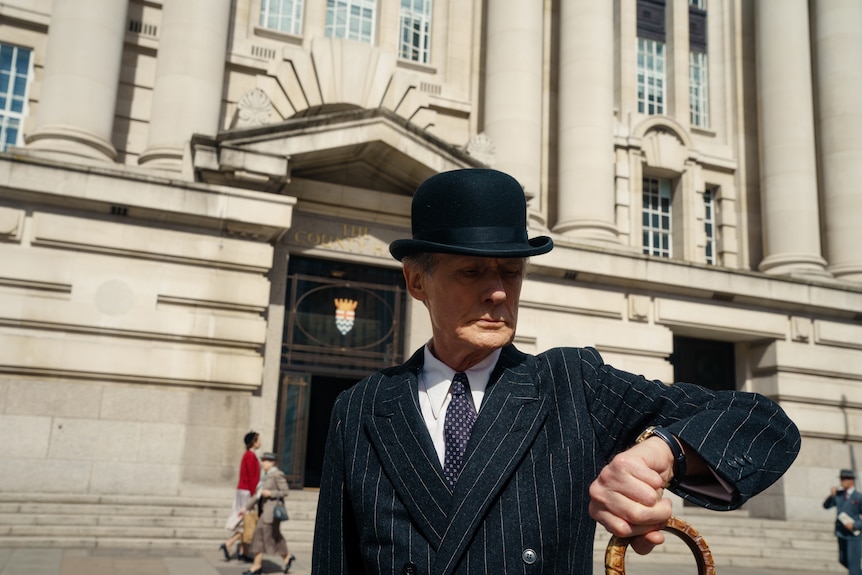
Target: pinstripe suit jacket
(547, 426)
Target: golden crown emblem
(345, 304)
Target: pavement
(105, 561)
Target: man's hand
(627, 498)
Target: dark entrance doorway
(324, 391)
(342, 322)
(711, 364)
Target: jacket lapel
(400, 437)
(510, 418)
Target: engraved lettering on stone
(351, 238)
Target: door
(343, 322)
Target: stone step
(293, 531)
(74, 542)
(738, 541)
(143, 522)
(296, 509)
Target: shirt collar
(436, 377)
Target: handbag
(279, 513)
(249, 522)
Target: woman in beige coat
(267, 534)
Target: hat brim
(534, 247)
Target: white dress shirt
(435, 379)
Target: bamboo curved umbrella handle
(615, 555)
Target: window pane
(650, 76)
(415, 30)
(282, 15)
(352, 19)
(6, 57)
(656, 216)
(709, 226)
(698, 89)
(14, 81)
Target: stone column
(586, 202)
(187, 96)
(838, 43)
(788, 173)
(78, 95)
(513, 88)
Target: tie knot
(459, 383)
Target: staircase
(136, 522)
(737, 540)
(142, 522)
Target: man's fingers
(643, 544)
(637, 483)
(631, 519)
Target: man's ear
(414, 278)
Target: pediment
(371, 149)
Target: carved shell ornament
(254, 108)
(481, 147)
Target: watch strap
(679, 466)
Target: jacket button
(529, 556)
(408, 569)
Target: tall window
(698, 89)
(656, 217)
(709, 224)
(14, 78)
(651, 56)
(351, 19)
(697, 64)
(282, 15)
(651, 81)
(415, 30)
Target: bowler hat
(475, 212)
(847, 474)
(268, 456)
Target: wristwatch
(675, 448)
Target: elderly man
(473, 457)
(848, 521)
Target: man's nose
(496, 289)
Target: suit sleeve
(336, 541)
(830, 502)
(745, 438)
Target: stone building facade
(196, 198)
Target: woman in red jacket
(249, 478)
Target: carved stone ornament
(254, 109)
(481, 147)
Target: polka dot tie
(460, 416)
